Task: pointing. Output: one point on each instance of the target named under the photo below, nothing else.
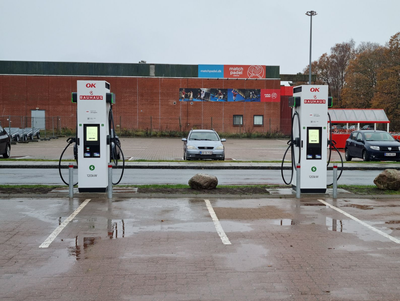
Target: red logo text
(90, 85)
(314, 101)
(90, 97)
(314, 89)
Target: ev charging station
(310, 137)
(93, 134)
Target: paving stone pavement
(169, 249)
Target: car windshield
(208, 136)
(379, 137)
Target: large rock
(388, 179)
(202, 181)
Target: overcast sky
(223, 32)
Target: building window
(237, 120)
(258, 120)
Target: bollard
(71, 180)
(334, 181)
(109, 190)
(298, 181)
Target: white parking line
(217, 224)
(397, 241)
(57, 231)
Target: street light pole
(310, 13)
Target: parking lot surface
(199, 249)
(161, 149)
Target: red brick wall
(141, 103)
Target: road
(178, 176)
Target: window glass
(258, 119)
(237, 119)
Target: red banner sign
(244, 71)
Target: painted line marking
(57, 231)
(397, 241)
(217, 224)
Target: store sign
(231, 71)
(211, 71)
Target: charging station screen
(91, 143)
(314, 145)
(313, 136)
(92, 133)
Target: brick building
(149, 96)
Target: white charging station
(93, 141)
(310, 118)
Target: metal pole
(71, 180)
(309, 76)
(310, 13)
(110, 188)
(298, 181)
(334, 181)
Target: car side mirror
(360, 140)
(184, 139)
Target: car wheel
(347, 156)
(8, 152)
(184, 156)
(365, 155)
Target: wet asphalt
(197, 247)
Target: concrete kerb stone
(197, 165)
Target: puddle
(82, 244)
(263, 212)
(334, 224)
(285, 222)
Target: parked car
(372, 145)
(203, 144)
(5, 143)
(367, 127)
(14, 133)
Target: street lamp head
(311, 13)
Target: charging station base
(97, 189)
(310, 190)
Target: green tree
(361, 77)
(387, 95)
(331, 69)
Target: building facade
(230, 99)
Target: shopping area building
(156, 97)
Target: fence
(144, 126)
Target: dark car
(203, 144)
(5, 143)
(372, 145)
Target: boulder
(202, 181)
(389, 179)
